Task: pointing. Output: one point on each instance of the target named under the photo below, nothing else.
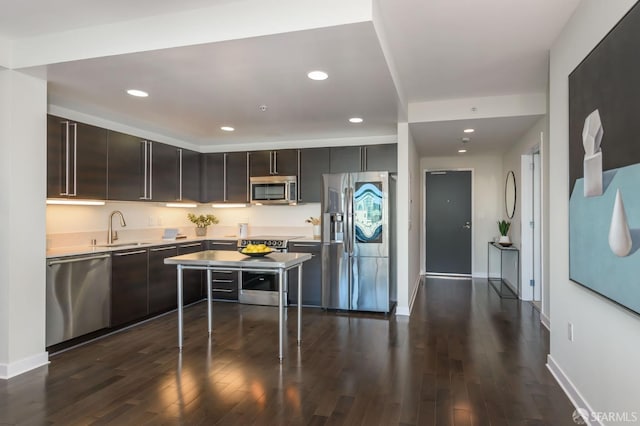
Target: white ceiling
(435, 49)
(491, 135)
(197, 89)
(37, 17)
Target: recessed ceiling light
(137, 93)
(318, 75)
(227, 128)
(469, 130)
(356, 120)
(462, 151)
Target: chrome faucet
(111, 234)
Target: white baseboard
(572, 392)
(405, 311)
(545, 321)
(13, 369)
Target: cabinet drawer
(230, 245)
(224, 285)
(314, 248)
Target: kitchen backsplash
(78, 225)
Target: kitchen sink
(130, 244)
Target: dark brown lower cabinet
(129, 296)
(224, 285)
(191, 279)
(311, 275)
(163, 292)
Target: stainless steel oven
(261, 288)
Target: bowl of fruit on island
(255, 250)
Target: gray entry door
(448, 222)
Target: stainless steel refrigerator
(357, 267)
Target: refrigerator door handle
(347, 219)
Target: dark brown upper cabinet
(283, 162)
(76, 160)
(314, 162)
(189, 175)
(213, 179)
(175, 173)
(128, 167)
(346, 159)
(237, 177)
(163, 172)
(364, 158)
(143, 170)
(380, 158)
(225, 178)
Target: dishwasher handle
(77, 259)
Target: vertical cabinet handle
(70, 159)
(75, 158)
(275, 162)
(147, 191)
(144, 170)
(224, 178)
(247, 198)
(299, 174)
(179, 174)
(270, 162)
(65, 191)
(150, 170)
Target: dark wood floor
(465, 357)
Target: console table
(505, 275)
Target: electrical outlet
(152, 221)
(570, 331)
(159, 220)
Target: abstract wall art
(604, 166)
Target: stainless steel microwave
(274, 190)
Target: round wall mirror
(510, 194)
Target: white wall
(408, 220)
(23, 102)
(487, 201)
(600, 367)
(5, 53)
(511, 161)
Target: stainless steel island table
(211, 260)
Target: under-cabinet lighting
(462, 151)
(469, 130)
(76, 202)
(227, 205)
(187, 205)
(356, 120)
(227, 128)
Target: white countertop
(122, 245)
(88, 249)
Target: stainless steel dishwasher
(78, 296)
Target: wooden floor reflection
(465, 357)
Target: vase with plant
(503, 227)
(315, 221)
(201, 222)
